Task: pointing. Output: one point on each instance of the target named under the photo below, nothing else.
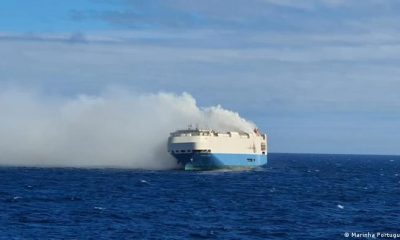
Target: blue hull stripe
(204, 161)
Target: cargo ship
(205, 149)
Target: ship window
(251, 160)
(202, 151)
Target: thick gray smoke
(116, 129)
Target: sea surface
(297, 196)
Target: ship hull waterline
(215, 161)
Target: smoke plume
(117, 129)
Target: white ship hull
(207, 149)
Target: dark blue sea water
(298, 196)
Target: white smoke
(116, 129)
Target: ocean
(297, 196)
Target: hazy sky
(316, 75)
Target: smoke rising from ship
(116, 129)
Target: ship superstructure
(204, 149)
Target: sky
(318, 76)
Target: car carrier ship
(198, 149)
